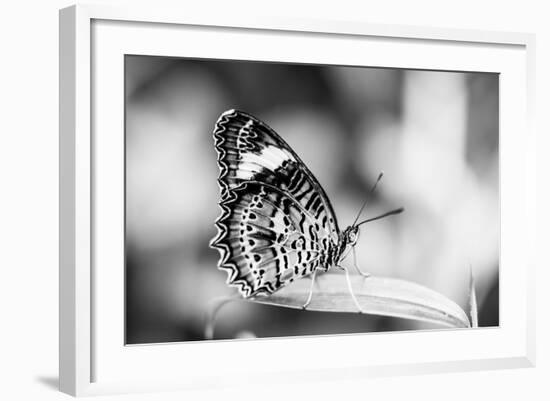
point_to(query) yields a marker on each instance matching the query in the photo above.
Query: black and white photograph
(306, 200)
(270, 199)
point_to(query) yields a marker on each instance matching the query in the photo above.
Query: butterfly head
(351, 235)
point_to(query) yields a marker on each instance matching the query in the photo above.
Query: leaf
(376, 295)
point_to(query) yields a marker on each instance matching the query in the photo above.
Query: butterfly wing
(276, 222)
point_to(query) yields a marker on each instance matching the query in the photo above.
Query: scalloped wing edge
(227, 195)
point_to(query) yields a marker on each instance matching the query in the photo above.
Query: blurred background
(434, 134)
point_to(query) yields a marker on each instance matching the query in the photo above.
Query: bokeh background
(434, 134)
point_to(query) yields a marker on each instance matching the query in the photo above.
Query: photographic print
(268, 199)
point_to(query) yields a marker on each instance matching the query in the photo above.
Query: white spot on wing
(276, 155)
(271, 157)
(243, 174)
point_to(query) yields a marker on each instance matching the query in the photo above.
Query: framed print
(238, 190)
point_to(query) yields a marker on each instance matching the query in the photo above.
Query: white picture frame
(93, 357)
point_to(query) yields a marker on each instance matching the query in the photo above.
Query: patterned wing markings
(265, 240)
(277, 223)
(249, 150)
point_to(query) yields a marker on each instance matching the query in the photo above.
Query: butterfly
(276, 223)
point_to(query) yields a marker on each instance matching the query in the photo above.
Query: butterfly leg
(304, 306)
(351, 289)
(364, 274)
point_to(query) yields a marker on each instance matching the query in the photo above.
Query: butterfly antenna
(392, 212)
(368, 197)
